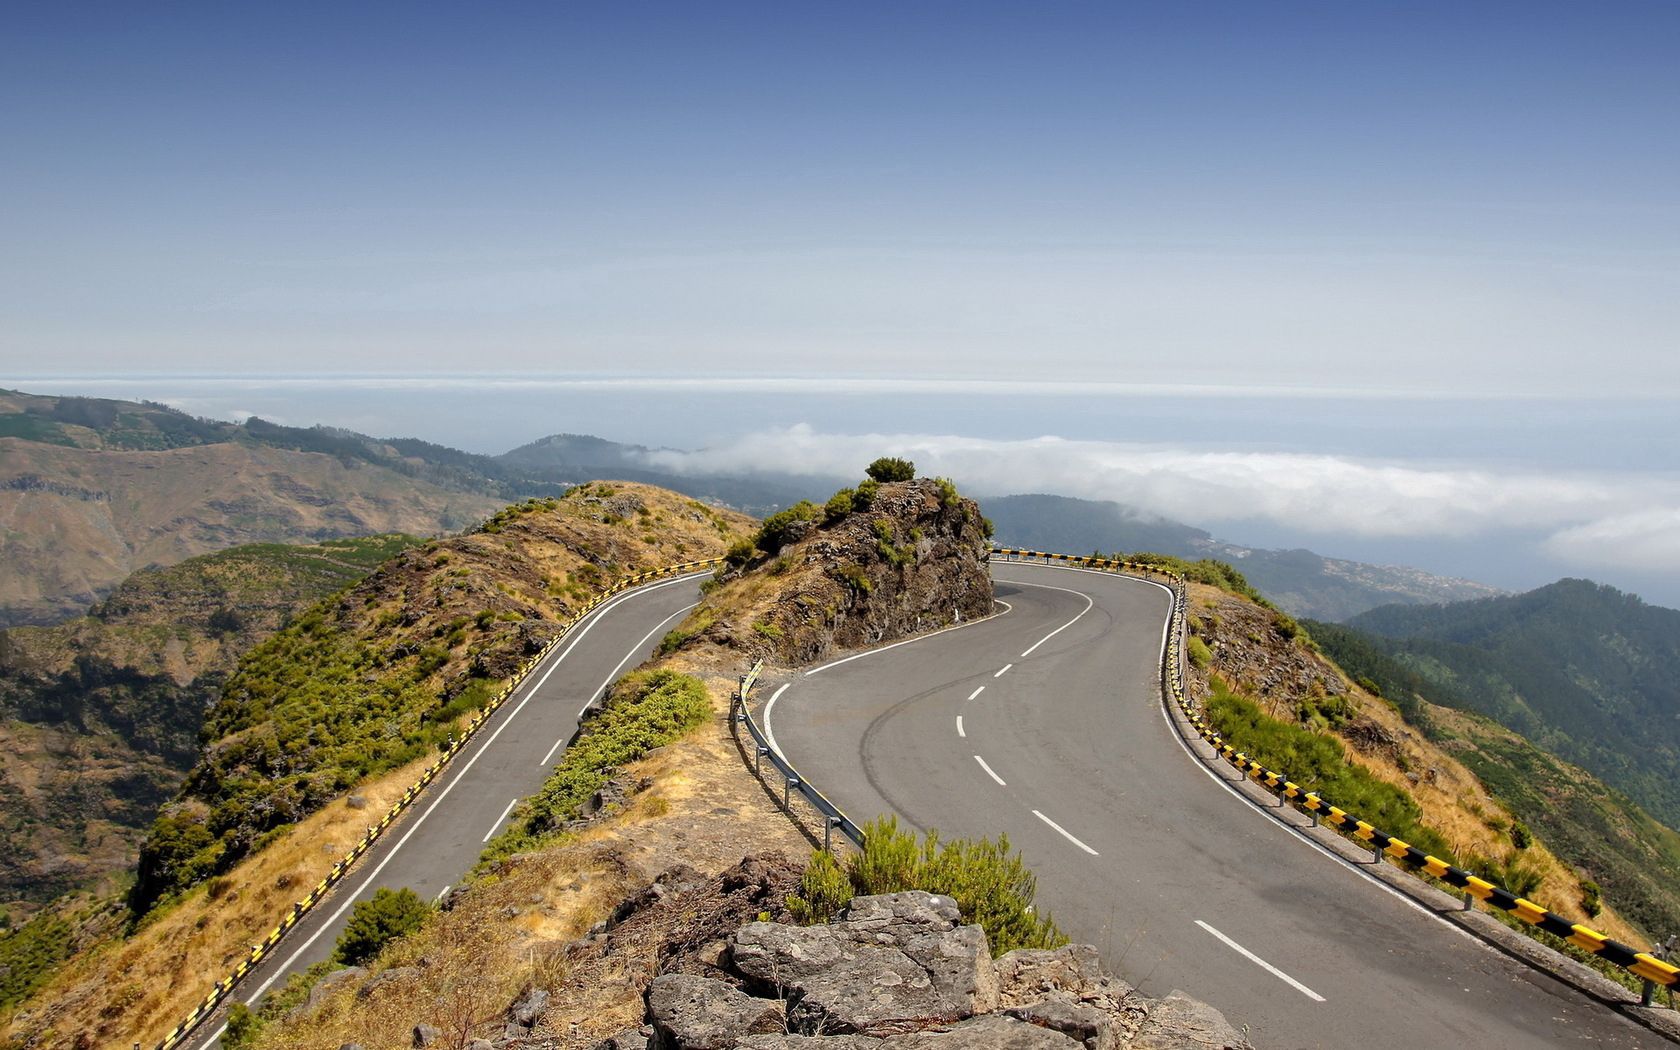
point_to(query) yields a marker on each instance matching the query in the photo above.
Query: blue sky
(1338, 239)
(1355, 195)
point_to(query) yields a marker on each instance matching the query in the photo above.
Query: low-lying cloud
(1627, 521)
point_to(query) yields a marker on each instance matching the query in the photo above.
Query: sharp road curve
(441, 838)
(1046, 723)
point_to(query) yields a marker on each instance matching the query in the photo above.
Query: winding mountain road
(1046, 724)
(441, 837)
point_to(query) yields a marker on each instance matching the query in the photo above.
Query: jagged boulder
(698, 1013)
(1179, 1022)
(893, 962)
(991, 1032)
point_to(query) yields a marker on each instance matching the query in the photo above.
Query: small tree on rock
(891, 468)
(375, 923)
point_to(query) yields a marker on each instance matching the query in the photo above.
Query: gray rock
(481, 1044)
(350, 1046)
(910, 908)
(323, 988)
(356, 802)
(1027, 975)
(1096, 1029)
(808, 1042)
(395, 975)
(1179, 1022)
(528, 1009)
(992, 1032)
(895, 961)
(629, 1039)
(426, 1035)
(698, 1013)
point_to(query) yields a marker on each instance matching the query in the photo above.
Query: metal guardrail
(340, 869)
(833, 817)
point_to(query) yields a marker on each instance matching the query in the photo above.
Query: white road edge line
(496, 826)
(960, 731)
(1263, 964)
(350, 898)
(770, 734)
(989, 771)
(631, 655)
(1090, 603)
(440, 894)
(1007, 608)
(977, 692)
(1296, 834)
(1002, 670)
(1066, 834)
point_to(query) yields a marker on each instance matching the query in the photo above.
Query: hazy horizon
(1515, 492)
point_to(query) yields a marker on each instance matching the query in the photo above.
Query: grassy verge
(642, 711)
(1318, 762)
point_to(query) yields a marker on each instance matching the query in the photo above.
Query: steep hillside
(1586, 672)
(1268, 689)
(877, 563)
(99, 717)
(1299, 581)
(92, 490)
(382, 675)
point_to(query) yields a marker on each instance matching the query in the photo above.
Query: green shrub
(243, 1027)
(991, 885)
(854, 577)
(824, 889)
(838, 506)
(740, 552)
(1199, 653)
(778, 529)
(891, 468)
(1521, 837)
(863, 497)
(377, 922)
(1592, 901)
(30, 953)
(948, 494)
(768, 629)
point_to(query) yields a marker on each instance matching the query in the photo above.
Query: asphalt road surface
(440, 838)
(1046, 723)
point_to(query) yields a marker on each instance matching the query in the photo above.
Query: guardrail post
(1469, 901)
(1376, 854)
(787, 792)
(829, 824)
(1649, 991)
(758, 764)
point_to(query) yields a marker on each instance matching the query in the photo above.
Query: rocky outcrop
(902, 971)
(912, 560)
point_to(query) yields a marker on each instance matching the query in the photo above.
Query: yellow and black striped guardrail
(1641, 964)
(339, 870)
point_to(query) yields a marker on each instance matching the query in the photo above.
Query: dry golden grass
(136, 989)
(512, 928)
(1454, 801)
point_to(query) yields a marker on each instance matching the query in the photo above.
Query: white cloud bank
(1628, 521)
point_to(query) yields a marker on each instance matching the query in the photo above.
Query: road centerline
(1066, 834)
(977, 692)
(1001, 671)
(960, 731)
(990, 771)
(1263, 964)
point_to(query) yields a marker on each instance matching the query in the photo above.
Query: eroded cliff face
(913, 560)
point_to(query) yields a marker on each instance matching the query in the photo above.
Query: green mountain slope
(1586, 672)
(1599, 830)
(99, 717)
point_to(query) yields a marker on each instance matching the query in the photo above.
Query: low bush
(891, 468)
(991, 885)
(838, 506)
(376, 922)
(780, 528)
(863, 497)
(1199, 653)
